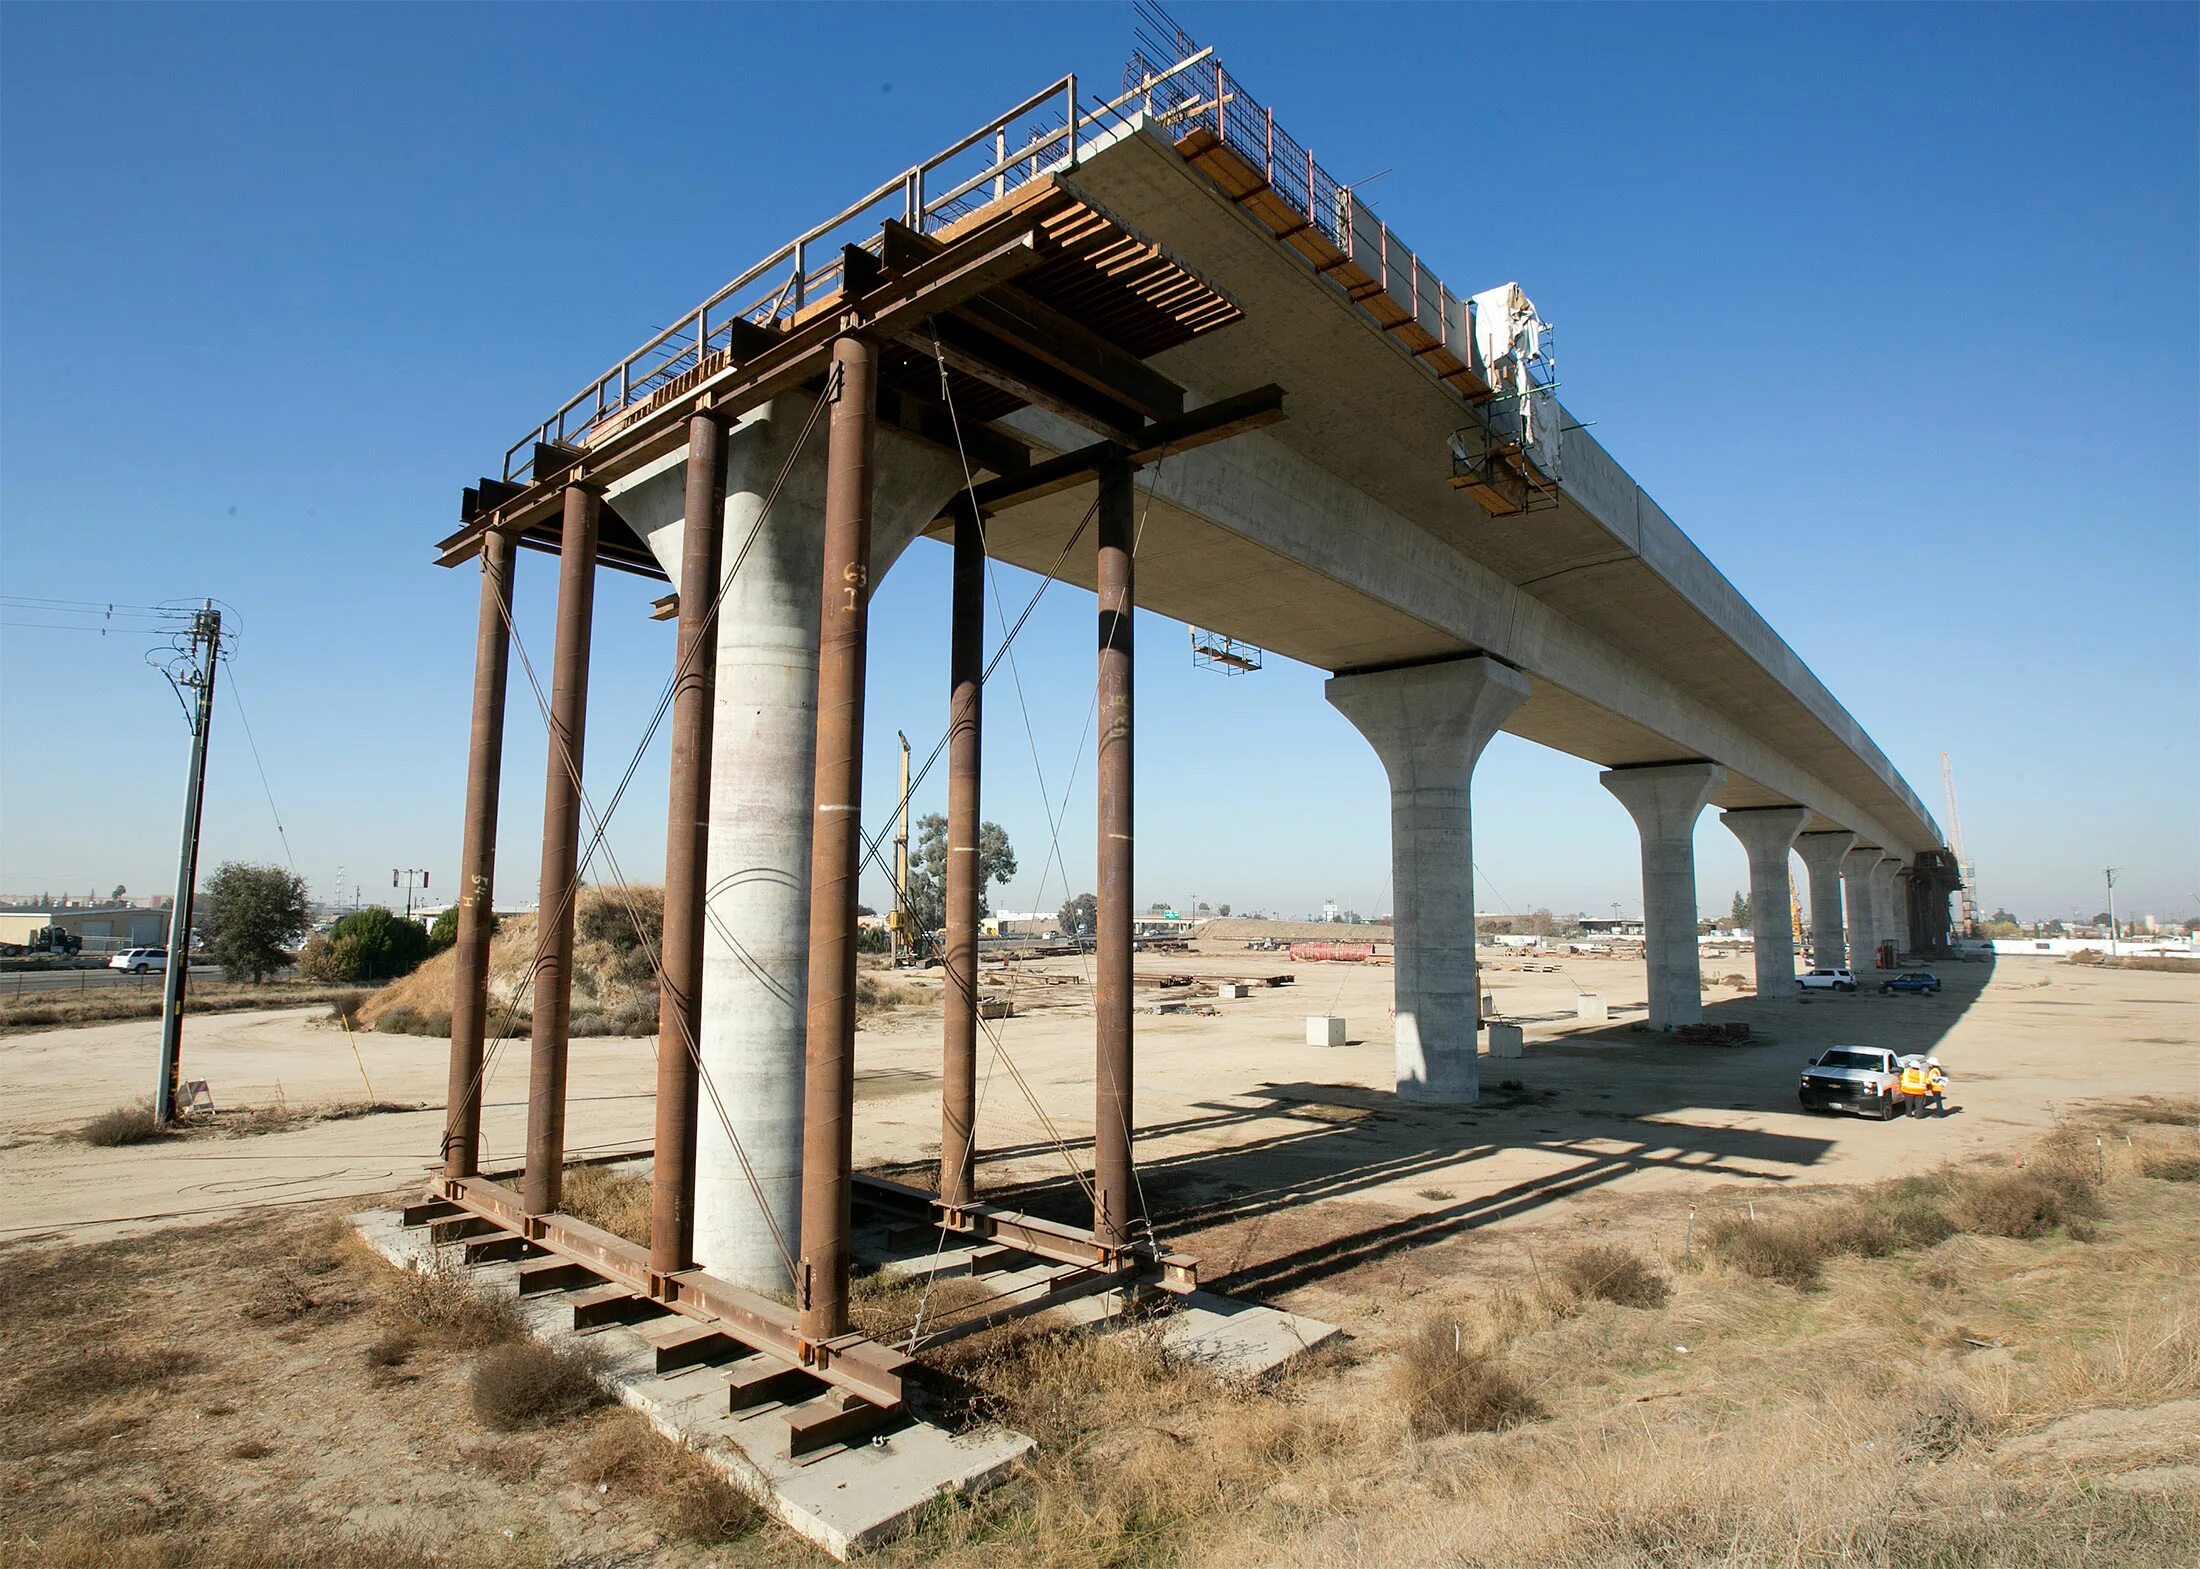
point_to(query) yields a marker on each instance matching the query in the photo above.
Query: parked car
(1852, 1078)
(1827, 981)
(140, 960)
(1910, 981)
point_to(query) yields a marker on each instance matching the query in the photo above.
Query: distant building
(101, 928)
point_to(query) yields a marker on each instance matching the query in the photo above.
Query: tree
(1222, 909)
(1079, 916)
(2101, 919)
(252, 916)
(928, 871)
(116, 896)
(1739, 915)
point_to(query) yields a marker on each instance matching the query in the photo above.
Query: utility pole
(197, 659)
(2110, 874)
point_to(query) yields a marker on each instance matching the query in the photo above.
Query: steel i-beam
(561, 834)
(965, 871)
(478, 860)
(1112, 1192)
(828, 1097)
(680, 995)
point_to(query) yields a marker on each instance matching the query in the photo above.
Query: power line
(236, 696)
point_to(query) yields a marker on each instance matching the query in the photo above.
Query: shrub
(444, 933)
(1446, 1386)
(528, 1384)
(123, 1125)
(366, 945)
(1612, 1274)
(616, 1201)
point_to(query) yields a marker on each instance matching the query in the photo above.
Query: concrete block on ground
(995, 1008)
(1234, 990)
(1489, 1006)
(1229, 1338)
(1591, 1008)
(1324, 1029)
(1507, 1040)
(846, 1499)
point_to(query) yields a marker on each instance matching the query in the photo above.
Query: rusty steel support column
(561, 839)
(828, 1094)
(478, 861)
(1112, 1117)
(965, 872)
(680, 993)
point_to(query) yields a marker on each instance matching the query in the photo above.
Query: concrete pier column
(1665, 801)
(1856, 888)
(762, 759)
(1821, 853)
(1429, 724)
(1885, 926)
(1768, 834)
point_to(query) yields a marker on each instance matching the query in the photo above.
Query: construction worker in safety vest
(1936, 1087)
(1912, 1086)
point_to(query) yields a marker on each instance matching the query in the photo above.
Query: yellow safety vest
(1935, 1080)
(1913, 1080)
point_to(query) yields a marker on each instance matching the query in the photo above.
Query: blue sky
(1892, 309)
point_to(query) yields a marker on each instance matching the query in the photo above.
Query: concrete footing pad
(845, 1498)
(1231, 1339)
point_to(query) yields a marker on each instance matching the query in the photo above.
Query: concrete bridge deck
(1336, 539)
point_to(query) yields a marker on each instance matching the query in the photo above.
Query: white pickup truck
(1852, 1078)
(1827, 981)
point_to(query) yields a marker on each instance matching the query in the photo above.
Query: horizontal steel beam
(1050, 1239)
(847, 1362)
(1203, 426)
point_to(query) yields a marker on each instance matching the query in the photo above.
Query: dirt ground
(224, 1372)
(1243, 1127)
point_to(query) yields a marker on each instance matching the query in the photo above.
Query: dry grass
(528, 1384)
(1794, 1245)
(618, 1201)
(1444, 1383)
(876, 996)
(614, 979)
(678, 1489)
(108, 1004)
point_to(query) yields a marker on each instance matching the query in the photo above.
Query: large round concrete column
(1665, 801)
(763, 748)
(1768, 834)
(1428, 724)
(1885, 928)
(1856, 887)
(1821, 855)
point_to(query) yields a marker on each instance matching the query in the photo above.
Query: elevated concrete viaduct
(1074, 311)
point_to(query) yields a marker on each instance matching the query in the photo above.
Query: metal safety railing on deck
(1039, 135)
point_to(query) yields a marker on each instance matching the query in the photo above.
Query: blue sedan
(1910, 981)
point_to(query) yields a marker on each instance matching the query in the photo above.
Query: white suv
(1827, 981)
(139, 960)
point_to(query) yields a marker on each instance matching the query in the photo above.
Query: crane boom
(1966, 894)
